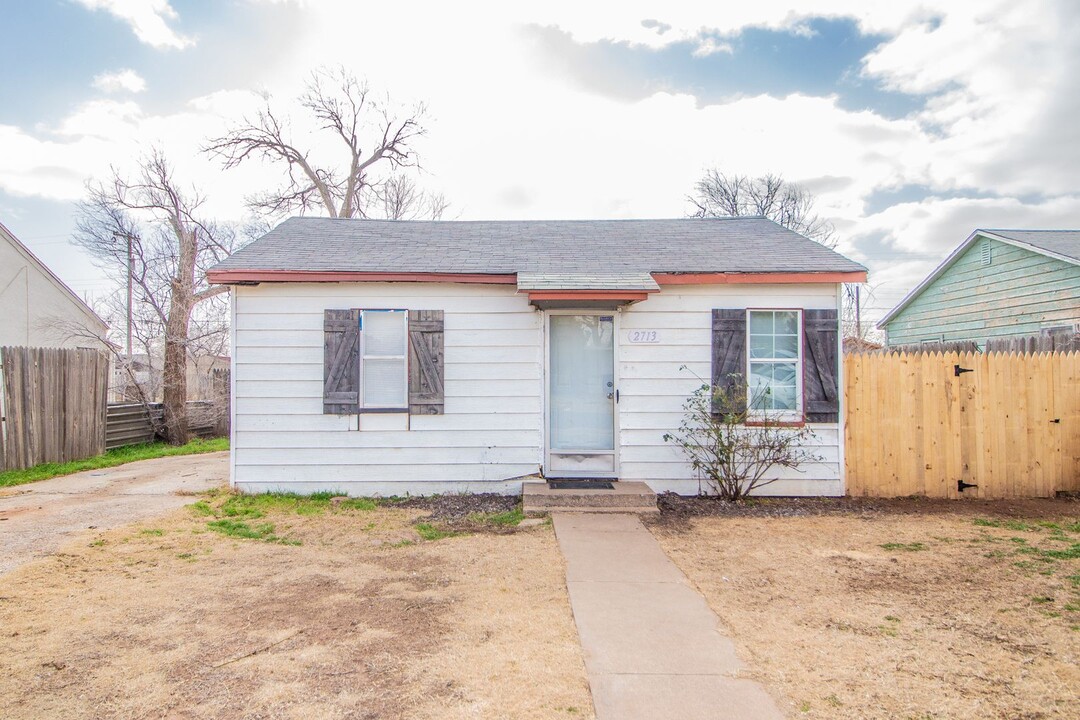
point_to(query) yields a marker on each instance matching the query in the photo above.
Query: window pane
(761, 323)
(761, 346)
(384, 333)
(787, 323)
(384, 383)
(782, 397)
(784, 373)
(786, 346)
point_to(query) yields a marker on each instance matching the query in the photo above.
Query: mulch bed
(458, 507)
(676, 507)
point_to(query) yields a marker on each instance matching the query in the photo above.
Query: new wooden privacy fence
(53, 405)
(1005, 424)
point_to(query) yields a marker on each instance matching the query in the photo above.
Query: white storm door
(581, 395)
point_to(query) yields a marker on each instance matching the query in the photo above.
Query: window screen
(384, 345)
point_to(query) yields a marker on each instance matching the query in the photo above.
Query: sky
(913, 123)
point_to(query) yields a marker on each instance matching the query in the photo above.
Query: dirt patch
(898, 610)
(677, 507)
(361, 619)
(458, 507)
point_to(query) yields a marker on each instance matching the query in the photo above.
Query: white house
(36, 308)
(392, 357)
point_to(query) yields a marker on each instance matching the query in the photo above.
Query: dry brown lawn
(362, 619)
(913, 611)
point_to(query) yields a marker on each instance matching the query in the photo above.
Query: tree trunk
(174, 393)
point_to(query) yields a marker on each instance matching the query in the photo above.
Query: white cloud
(126, 80)
(149, 20)
(510, 138)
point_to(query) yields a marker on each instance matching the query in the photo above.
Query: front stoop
(624, 497)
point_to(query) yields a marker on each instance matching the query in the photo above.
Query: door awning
(586, 290)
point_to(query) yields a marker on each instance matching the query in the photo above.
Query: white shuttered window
(384, 366)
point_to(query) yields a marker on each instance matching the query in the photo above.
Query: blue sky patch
(824, 61)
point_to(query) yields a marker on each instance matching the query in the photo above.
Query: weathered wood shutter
(821, 366)
(426, 366)
(728, 357)
(341, 362)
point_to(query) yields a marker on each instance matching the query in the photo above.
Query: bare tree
(374, 133)
(171, 249)
(401, 199)
(786, 203)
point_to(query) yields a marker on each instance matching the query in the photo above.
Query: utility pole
(131, 261)
(859, 314)
(130, 265)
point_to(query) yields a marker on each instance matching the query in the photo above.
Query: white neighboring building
(383, 357)
(35, 305)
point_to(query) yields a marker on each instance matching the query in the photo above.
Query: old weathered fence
(53, 405)
(134, 423)
(962, 424)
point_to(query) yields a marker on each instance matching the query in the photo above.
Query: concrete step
(624, 497)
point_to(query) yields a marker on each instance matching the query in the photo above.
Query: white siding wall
(492, 430)
(653, 389)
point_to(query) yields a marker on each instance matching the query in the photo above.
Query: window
(774, 360)
(384, 352)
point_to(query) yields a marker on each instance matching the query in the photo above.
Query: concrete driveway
(37, 519)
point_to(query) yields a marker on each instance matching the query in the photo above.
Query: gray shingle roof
(587, 281)
(1059, 242)
(745, 244)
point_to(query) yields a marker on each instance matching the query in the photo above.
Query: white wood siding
(492, 431)
(653, 388)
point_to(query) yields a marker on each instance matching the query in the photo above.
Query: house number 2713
(644, 336)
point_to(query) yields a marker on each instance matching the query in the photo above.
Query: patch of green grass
(112, 458)
(1042, 599)
(833, 700)
(984, 522)
(1018, 540)
(1074, 579)
(201, 508)
(1019, 525)
(1048, 525)
(906, 547)
(892, 618)
(1072, 553)
(509, 518)
(804, 706)
(154, 532)
(1073, 607)
(1073, 527)
(256, 506)
(430, 532)
(240, 529)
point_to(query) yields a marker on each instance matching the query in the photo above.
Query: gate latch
(957, 370)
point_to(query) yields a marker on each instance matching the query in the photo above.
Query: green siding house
(997, 284)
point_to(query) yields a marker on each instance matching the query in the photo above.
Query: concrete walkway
(38, 518)
(652, 648)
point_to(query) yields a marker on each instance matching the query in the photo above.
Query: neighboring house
(383, 357)
(997, 284)
(36, 308)
(146, 373)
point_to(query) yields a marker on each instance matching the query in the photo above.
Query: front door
(581, 395)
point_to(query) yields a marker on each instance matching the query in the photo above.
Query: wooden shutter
(341, 362)
(728, 356)
(821, 366)
(426, 366)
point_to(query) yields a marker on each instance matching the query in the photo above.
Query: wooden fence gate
(53, 405)
(1002, 424)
